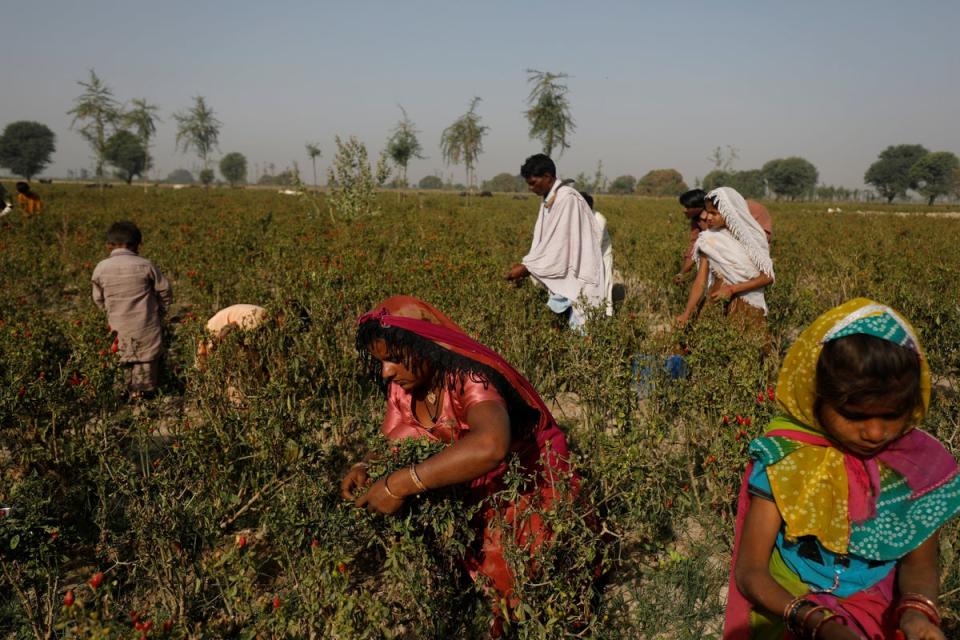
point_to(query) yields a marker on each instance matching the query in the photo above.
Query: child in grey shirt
(135, 295)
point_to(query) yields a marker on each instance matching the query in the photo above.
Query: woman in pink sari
(443, 385)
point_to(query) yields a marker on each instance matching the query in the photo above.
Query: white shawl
(739, 252)
(606, 247)
(729, 260)
(565, 254)
(744, 227)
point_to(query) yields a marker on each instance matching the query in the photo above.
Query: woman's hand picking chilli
(723, 293)
(916, 626)
(377, 499)
(355, 479)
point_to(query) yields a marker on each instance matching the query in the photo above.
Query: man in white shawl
(732, 257)
(606, 247)
(565, 254)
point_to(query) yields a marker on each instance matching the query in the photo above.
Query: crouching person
(247, 367)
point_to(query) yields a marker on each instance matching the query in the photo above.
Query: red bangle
(931, 613)
(923, 600)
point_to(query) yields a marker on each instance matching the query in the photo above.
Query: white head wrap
(736, 215)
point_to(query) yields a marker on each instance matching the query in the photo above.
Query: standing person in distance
(28, 201)
(565, 253)
(4, 203)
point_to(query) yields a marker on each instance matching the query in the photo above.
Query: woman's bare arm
(696, 291)
(479, 451)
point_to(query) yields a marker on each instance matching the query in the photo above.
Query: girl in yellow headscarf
(843, 499)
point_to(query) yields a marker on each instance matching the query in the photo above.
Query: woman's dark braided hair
(448, 368)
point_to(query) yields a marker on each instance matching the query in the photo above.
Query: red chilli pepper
(96, 580)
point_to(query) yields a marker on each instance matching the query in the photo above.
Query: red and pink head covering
(418, 317)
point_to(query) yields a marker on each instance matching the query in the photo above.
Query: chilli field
(188, 516)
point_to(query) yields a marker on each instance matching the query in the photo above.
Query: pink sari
(542, 450)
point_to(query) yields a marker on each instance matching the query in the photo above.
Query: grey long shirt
(135, 296)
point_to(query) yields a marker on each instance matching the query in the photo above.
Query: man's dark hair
(693, 199)
(538, 165)
(23, 187)
(589, 198)
(124, 233)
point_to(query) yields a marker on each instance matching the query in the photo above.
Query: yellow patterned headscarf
(812, 484)
(796, 386)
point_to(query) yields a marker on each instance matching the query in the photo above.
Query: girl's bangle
(931, 613)
(416, 478)
(791, 612)
(920, 598)
(828, 613)
(830, 617)
(386, 487)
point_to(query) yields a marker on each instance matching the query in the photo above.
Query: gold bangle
(416, 478)
(806, 618)
(830, 617)
(386, 488)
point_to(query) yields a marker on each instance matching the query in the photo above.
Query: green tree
(549, 112)
(26, 147)
(431, 182)
(233, 168)
(180, 176)
(716, 178)
(125, 152)
(934, 174)
(890, 174)
(622, 185)
(463, 141)
(97, 111)
(662, 183)
(750, 184)
(791, 178)
(505, 182)
(403, 145)
(284, 178)
(199, 129)
(313, 150)
(142, 118)
(596, 184)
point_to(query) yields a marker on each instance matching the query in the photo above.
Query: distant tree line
(119, 136)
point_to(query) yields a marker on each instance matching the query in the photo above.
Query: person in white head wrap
(732, 257)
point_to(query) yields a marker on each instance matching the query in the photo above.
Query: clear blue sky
(653, 84)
